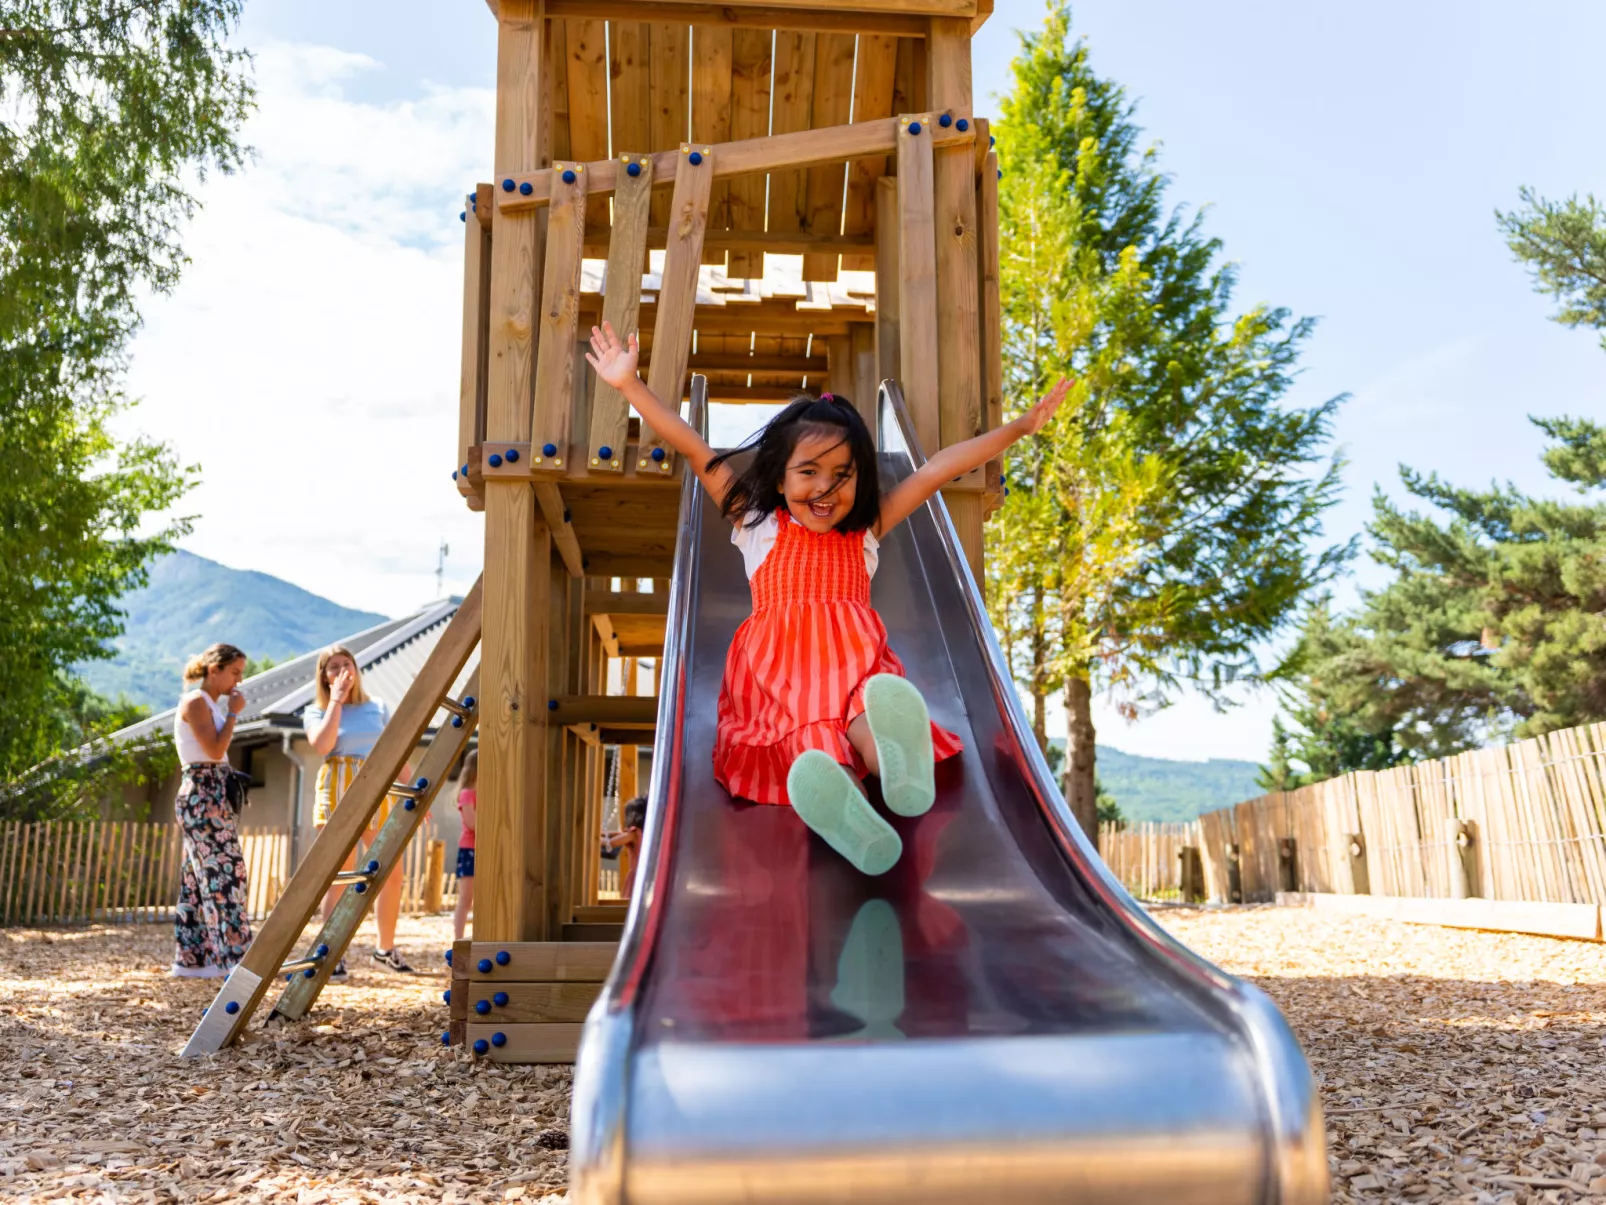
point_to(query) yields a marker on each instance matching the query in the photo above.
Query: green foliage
(1162, 527)
(107, 112)
(1109, 809)
(1563, 243)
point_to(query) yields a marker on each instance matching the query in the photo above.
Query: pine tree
(1162, 527)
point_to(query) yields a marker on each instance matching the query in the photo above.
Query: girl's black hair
(756, 492)
(635, 812)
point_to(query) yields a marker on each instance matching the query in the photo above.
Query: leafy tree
(1161, 529)
(1109, 810)
(1563, 243)
(108, 114)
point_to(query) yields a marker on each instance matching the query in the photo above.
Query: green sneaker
(901, 726)
(827, 799)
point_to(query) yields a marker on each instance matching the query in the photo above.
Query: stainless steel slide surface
(993, 1020)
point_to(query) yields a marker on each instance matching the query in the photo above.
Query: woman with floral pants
(212, 925)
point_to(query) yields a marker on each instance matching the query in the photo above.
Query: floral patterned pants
(212, 924)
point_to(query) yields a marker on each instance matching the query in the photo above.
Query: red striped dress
(795, 674)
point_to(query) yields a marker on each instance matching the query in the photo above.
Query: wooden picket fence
(1145, 856)
(118, 872)
(1525, 821)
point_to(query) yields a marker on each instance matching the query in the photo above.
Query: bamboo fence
(66, 872)
(1145, 856)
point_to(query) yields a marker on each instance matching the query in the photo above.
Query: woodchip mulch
(1454, 1066)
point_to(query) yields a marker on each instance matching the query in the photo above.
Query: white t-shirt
(189, 745)
(756, 542)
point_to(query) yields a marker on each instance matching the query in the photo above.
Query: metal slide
(993, 1020)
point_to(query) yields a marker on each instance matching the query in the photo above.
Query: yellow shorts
(334, 780)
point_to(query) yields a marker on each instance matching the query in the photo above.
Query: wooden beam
(789, 118)
(888, 285)
(562, 657)
(534, 1002)
(706, 362)
(586, 66)
(750, 119)
(577, 962)
(677, 295)
(711, 84)
(629, 62)
(476, 326)
(524, 1043)
(745, 17)
(621, 305)
(865, 379)
(872, 101)
(668, 92)
(560, 316)
(599, 240)
(959, 385)
(604, 627)
(745, 395)
(550, 499)
(919, 337)
(604, 709)
(624, 564)
(611, 602)
(992, 333)
(831, 105)
(779, 152)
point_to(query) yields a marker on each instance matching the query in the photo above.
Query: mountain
(192, 602)
(1156, 788)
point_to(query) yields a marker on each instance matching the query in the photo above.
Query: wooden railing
(66, 872)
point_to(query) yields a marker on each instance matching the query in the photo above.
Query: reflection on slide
(993, 1019)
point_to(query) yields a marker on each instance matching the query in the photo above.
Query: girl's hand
(1035, 419)
(236, 702)
(615, 362)
(340, 687)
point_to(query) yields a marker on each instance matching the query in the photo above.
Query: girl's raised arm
(916, 490)
(615, 363)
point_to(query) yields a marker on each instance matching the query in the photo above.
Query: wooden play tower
(780, 198)
(725, 136)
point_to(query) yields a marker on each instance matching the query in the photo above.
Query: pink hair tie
(828, 397)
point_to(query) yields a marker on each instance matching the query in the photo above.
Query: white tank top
(189, 748)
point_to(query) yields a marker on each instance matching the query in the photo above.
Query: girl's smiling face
(821, 480)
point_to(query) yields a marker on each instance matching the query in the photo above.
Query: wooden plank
(1577, 921)
(790, 110)
(832, 105)
(559, 752)
(919, 339)
(526, 1044)
(750, 120)
(669, 113)
(560, 314)
(677, 294)
(989, 297)
(621, 304)
(580, 962)
(540, 1003)
(779, 152)
(909, 77)
(576, 932)
(746, 17)
(601, 914)
(796, 242)
(959, 384)
(611, 602)
(586, 80)
(712, 80)
(629, 46)
(550, 499)
(8, 850)
(604, 709)
(888, 284)
(872, 100)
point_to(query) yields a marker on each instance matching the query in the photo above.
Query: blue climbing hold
(500, 999)
(463, 217)
(323, 951)
(657, 453)
(991, 140)
(964, 124)
(567, 514)
(507, 185)
(604, 453)
(568, 175)
(696, 158)
(446, 1038)
(1000, 173)
(373, 866)
(309, 973)
(232, 1007)
(633, 170)
(447, 995)
(362, 888)
(914, 127)
(464, 470)
(457, 721)
(204, 1011)
(945, 120)
(485, 966)
(482, 1007)
(549, 449)
(494, 460)
(551, 704)
(420, 783)
(448, 958)
(409, 804)
(454, 474)
(511, 455)
(468, 700)
(499, 1039)
(503, 958)
(481, 1046)
(526, 189)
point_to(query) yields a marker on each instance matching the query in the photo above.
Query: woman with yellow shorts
(343, 725)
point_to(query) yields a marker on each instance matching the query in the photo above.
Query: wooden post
(918, 335)
(1360, 879)
(621, 303)
(1461, 855)
(476, 299)
(888, 284)
(959, 386)
(435, 878)
(560, 316)
(1287, 864)
(1235, 874)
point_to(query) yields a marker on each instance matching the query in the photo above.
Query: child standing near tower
(813, 698)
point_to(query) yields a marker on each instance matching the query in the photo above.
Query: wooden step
(535, 994)
(601, 914)
(593, 932)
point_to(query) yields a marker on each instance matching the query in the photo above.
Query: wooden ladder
(270, 953)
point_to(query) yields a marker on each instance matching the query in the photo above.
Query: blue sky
(1352, 159)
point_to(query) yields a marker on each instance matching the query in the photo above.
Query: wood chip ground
(1455, 1066)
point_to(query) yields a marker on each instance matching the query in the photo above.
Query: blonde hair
(219, 656)
(469, 776)
(321, 683)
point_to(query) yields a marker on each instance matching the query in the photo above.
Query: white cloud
(309, 359)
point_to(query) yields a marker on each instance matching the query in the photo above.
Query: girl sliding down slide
(813, 698)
